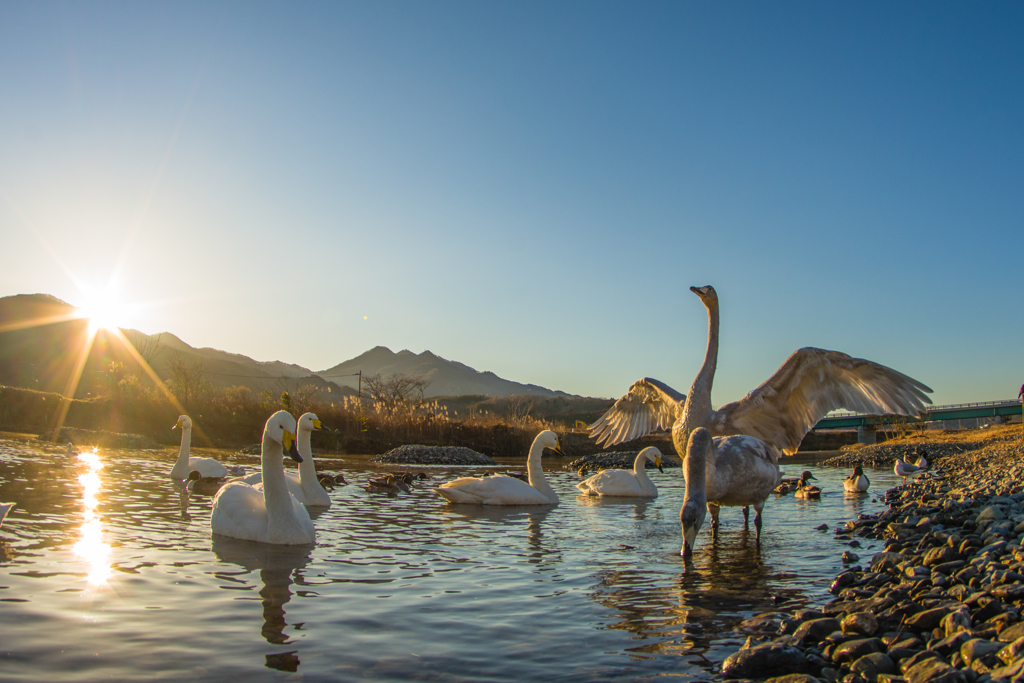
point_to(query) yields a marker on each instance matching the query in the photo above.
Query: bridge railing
(930, 409)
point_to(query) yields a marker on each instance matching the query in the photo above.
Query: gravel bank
(942, 603)
(886, 453)
(618, 460)
(433, 455)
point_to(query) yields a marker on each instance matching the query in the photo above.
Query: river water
(107, 571)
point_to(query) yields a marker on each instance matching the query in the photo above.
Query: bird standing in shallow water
(857, 482)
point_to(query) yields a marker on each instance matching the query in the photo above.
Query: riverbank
(943, 602)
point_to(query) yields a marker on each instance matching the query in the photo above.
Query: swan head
(184, 422)
(654, 455)
(548, 439)
(707, 294)
(692, 517)
(281, 429)
(309, 422)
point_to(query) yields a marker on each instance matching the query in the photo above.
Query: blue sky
(530, 188)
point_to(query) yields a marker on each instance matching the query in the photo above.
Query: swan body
(905, 469)
(208, 468)
(811, 383)
(730, 470)
(269, 514)
(500, 489)
(304, 485)
(857, 482)
(623, 483)
(4, 509)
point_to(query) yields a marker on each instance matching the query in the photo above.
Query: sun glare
(103, 310)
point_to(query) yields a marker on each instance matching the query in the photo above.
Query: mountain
(41, 341)
(446, 377)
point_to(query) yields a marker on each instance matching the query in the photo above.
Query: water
(115, 575)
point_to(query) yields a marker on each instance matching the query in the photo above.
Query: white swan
(500, 489)
(857, 482)
(270, 515)
(811, 383)
(4, 509)
(905, 469)
(207, 467)
(727, 470)
(623, 483)
(304, 485)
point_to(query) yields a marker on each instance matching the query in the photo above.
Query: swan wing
(494, 490)
(208, 468)
(647, 406)
(613, 483)
(810, 384)
(239, 511)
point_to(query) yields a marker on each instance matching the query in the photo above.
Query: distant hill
(446, 377)
(43, 357)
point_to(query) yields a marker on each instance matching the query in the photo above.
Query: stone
(991, 513)
(1012, 652)
(940, 555)
(853, 650)
(869, 666)
(911, 662)
(815, 630)
(958, 620)
(1012, 633)
(934, 671)
(1009, 673)
(765, 660)
(928, 619)
(978, 648)
(951, 643)
(793, 678)
(864, 623)
(873, 605)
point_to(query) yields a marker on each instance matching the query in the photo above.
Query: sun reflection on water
(91, 547)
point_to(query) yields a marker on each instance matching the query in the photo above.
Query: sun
(103, 309)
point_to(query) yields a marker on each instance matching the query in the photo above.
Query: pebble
(615, 460)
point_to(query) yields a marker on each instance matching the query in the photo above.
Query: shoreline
(943, 602)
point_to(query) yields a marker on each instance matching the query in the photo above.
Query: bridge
(867, 425)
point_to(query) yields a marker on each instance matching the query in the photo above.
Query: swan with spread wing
(810, 384)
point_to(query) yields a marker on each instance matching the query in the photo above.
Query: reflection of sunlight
(103, 309)
(91, 546)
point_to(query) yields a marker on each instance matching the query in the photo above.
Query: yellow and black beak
(288, 443)
(657, 463)
(177, 425)
(317, 425)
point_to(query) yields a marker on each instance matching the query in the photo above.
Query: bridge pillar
(867, 434)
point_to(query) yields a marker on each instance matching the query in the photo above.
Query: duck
(201, 484)
(384, 485)
(857, 482)
(806, 490)
(789, 484)
(727, 470)
(922, 461)
(327, 483)
(501, 489)
(623, 483)
(72, 451)
(269, 514)
(905, 469)
(207, 467)
(4, 509)
(340, 479)
(305, 484)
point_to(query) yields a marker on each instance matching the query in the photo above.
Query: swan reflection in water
(276, 564)
(90, 546)
(510, 517)
(639, 505)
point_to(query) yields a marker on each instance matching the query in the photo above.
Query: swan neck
(180, 469)
(307, 468)
(706, 377)
(640, 469)
(695, 471)
(275, 489)
(535, 470)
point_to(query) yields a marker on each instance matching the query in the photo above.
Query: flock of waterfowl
(730, 455)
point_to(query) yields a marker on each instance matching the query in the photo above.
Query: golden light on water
(91, 546)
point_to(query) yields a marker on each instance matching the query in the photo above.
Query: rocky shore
(942, 603)
(433, 455)
(616, 460)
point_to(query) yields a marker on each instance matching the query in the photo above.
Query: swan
(4, 509)
(305, 484)
(725, 470)
(499, 489)
(623, 483)
(811, 383)
(905, 469)
(270, 515)
(857, 482)
(208, 468)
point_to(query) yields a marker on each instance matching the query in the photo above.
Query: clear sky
(530, 188)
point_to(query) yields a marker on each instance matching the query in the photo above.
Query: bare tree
(395, 392)
(187, 378)
(148, 346)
